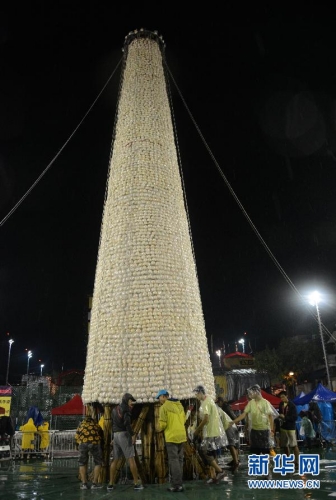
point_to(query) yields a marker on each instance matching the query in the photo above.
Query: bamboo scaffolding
(137, 426)
(147, 440)
(104, 475)
(193, 463)
(160, 449)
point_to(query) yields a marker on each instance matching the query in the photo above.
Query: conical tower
(147, 328)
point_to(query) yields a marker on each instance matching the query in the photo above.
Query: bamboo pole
(146, 450)
(160, 449)
(194, 462)
(137, 426)
(105, 471)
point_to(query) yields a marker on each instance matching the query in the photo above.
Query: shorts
(287, 438)
(209, 447)
(232, 434)
(260, 442)
(122, 445)
(95, 450)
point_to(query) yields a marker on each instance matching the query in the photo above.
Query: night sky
(261, 87)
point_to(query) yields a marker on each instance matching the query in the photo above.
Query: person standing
(43, 431)
(124, 440)
(315, 416)
(212, 431)
(29, 431)
(288, 415)
(307, 427)
(172, 421)
(89, 437)
(260, 417)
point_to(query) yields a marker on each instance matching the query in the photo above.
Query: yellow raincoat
(43, 431)
(28, 435)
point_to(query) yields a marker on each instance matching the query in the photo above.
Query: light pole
(314, 300)
(41, 369)
(10, 342)
(242, 341)
(218, 352)
(29, 355)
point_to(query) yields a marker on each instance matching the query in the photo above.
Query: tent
(319, 394)
(303, 407)
(73, 407)
(237, 360)
(242, 402)
(69, 415)
(237, 354)
(323, 397)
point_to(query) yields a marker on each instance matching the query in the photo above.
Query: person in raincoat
(306, 428)
(43, 431)
(212, 432)
(232, 434)
(28, 435)
(172, 421)
(260, 415)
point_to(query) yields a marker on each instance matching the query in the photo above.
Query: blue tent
(303, 407)
(323, 397)
(319, 394)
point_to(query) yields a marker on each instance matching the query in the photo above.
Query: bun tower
(147, 327)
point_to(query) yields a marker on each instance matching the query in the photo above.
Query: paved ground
(40, 480)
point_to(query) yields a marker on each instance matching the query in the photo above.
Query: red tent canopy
(238, 354)
(242, 402)
(73, 407)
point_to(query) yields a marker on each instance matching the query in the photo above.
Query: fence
(45, 444)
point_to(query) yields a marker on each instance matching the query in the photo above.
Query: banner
(5, 400)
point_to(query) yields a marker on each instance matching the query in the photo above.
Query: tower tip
(144, 33)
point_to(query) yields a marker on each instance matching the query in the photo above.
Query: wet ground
(36, 479)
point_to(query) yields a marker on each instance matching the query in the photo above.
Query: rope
(240, 205)
(21, 200)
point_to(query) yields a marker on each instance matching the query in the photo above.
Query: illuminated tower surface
(147, 328)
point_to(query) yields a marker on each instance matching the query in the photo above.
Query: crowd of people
(209, 427)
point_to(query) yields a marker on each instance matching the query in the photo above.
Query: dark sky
(261, 87)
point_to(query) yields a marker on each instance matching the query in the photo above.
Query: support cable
(240, 205)
(21, 200)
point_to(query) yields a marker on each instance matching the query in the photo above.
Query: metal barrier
(242, 436)
(46, 444)
(27, 444)
(64, 444)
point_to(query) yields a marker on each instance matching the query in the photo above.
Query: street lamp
(29, 354)
(41, 369)
(315, 298)
(242, 341)
(10, 342)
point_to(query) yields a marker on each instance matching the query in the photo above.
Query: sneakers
(138, 487)
(96, 486)
(110, 487)
(176, 489)
(84, 486)
(220, 475)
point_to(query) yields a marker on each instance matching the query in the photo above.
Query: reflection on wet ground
(36, 479)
